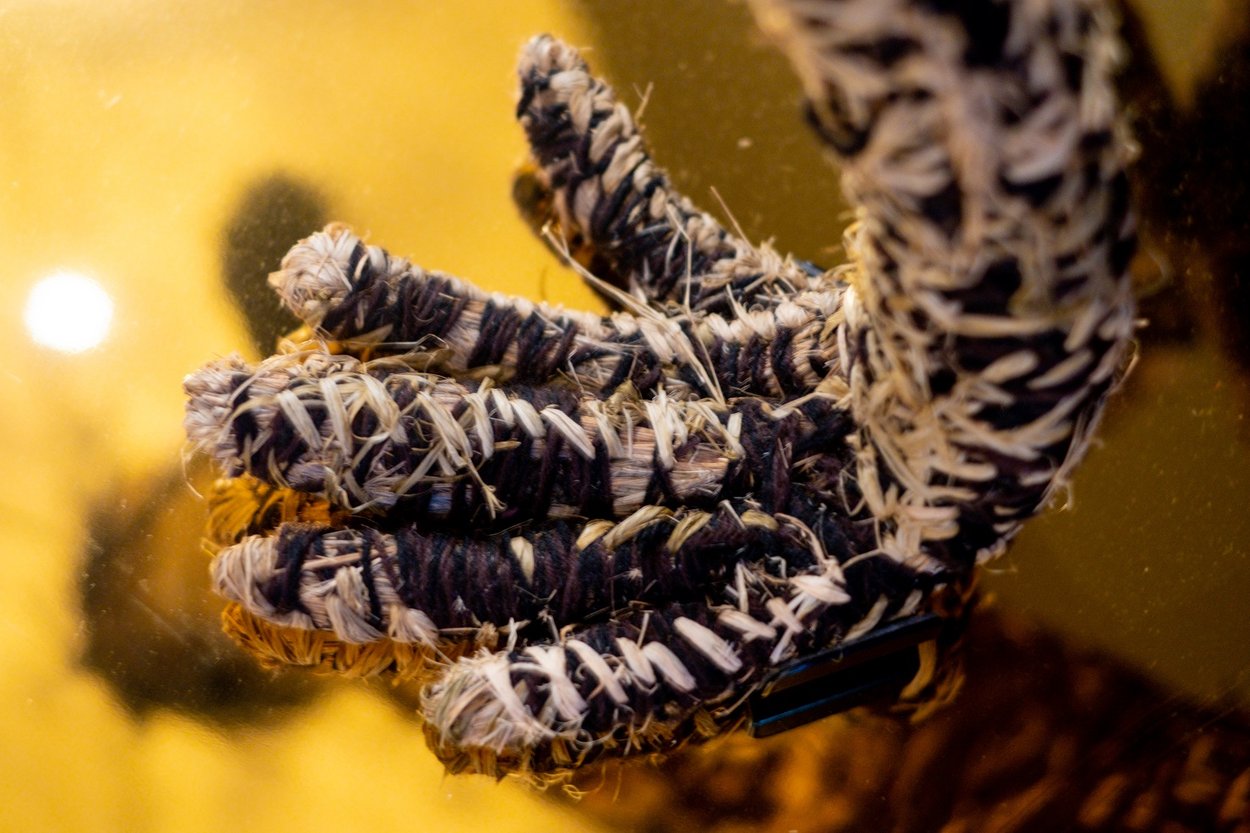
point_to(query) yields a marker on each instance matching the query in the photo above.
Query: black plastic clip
(878, 665)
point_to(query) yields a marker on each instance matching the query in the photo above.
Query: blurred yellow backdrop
(128, 131)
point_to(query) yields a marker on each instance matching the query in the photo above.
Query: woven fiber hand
(594, 535)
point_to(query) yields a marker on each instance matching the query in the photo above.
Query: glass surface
(155, 161)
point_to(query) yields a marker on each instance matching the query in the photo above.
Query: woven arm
(990, 310)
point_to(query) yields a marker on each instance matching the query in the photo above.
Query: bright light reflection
(68, 312)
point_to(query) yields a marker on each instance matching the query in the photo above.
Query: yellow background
(129, 130)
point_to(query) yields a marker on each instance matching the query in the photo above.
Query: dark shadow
(151, 628)
(150, 624)
(271, 215)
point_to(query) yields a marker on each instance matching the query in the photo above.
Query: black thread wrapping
(629, 244)
(528, 483)
(462, 581)
(800, 465)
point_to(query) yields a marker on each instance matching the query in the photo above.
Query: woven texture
(591, 535)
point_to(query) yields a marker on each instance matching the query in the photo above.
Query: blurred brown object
(151, 628)
(1215, 186)
(272, 211)
(1045, 736)
(1192, 186)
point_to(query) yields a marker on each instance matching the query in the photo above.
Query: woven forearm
(991, 308)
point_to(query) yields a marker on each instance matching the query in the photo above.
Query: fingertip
(208, 392)
(477, 721)
(316, 272)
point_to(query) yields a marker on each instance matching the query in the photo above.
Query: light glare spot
(69, 312)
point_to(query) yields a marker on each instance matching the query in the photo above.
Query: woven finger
(611, 199)
(557, 573)
(323, 652)
(368, 436)
(241, 507)
(376, 436)
(364, 296)
(415, 584)
(650, 679)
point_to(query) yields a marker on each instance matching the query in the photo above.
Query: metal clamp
(876, 666)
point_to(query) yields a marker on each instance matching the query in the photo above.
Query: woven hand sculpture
(594, 535)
